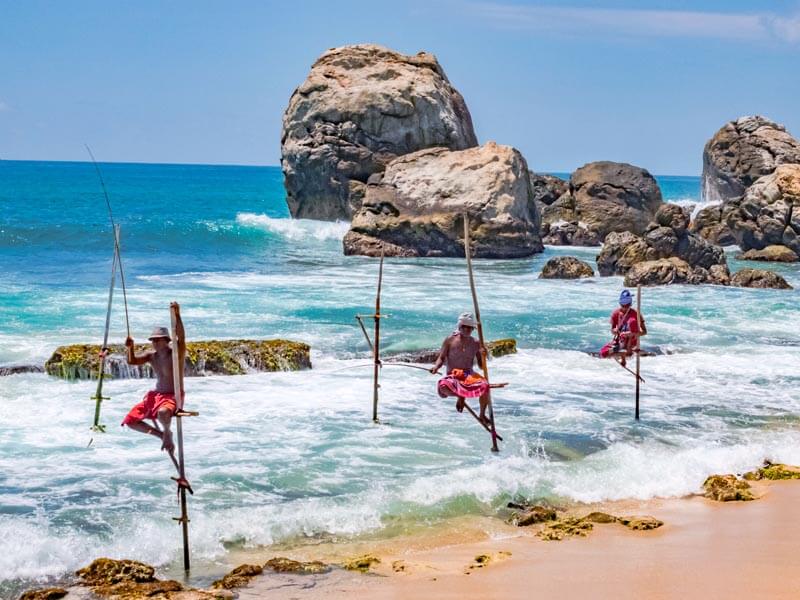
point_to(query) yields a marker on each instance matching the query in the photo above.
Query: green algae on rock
(498, 348)
(281, 564)
(727, 488)
(361, 563)
(215, 357)
(44, 594)
(600, 517)
(774, 472)
(564, 528)
(643, 523)
(238, 577)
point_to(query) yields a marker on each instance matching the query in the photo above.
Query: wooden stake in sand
(376, 346)
(638, 343)
(183, 484)
(468, 253)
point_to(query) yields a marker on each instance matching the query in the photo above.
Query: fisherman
(459, 352)
(625, 328)
(159, 404)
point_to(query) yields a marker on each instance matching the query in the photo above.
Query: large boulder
(667, 236)
(710, 223)
(614, 197)
(665, 271)
(417, 208)
(768, 254)
(759, 278)
(769, 212)
(743, 151)
(566, 267)
(547, 189)
(359, 108)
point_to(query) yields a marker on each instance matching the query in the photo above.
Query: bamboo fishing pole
(468, 253)
(638, 342)
(177, 374)
(376, 347)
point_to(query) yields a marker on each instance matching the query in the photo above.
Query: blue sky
(565, 82)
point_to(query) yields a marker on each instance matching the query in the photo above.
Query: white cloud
(611, 22)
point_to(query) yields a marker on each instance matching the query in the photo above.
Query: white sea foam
(295, 229)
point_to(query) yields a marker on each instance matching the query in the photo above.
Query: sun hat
(159, 332)
(625, 297)
(467, 319)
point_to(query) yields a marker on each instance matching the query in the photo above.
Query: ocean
(293, 458)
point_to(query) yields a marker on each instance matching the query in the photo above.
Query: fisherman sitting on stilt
(159, 404)
(459, 352)
(625, 328)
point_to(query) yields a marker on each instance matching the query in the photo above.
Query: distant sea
(292, 458)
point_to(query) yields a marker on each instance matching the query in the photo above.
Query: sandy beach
(704, 550)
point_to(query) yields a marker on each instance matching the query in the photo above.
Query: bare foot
(166, 441)
(460, 404)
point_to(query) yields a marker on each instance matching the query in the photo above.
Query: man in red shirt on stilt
(625, 327)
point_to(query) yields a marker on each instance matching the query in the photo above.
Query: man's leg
(460, 404)
(484, 401)
(164, 416)
(144, 428)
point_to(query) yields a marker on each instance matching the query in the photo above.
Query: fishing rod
(116, 237)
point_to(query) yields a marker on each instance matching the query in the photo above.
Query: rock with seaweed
(727, 488)
(361, 563)
(773, 472)
(496, 349)
(281, 564)
(238, 577)
(52, 593)
(214, 357)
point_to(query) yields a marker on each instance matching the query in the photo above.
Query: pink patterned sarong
(465, 384)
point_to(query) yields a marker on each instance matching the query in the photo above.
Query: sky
(194, 81)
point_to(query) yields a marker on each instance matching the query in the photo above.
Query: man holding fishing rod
(625, 329)
(158, 404)
(459, 352)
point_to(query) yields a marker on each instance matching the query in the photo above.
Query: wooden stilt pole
(376, 347)
(468, 254)
(177, 370)
(638, 343)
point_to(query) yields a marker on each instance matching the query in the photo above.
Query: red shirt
(626, 321)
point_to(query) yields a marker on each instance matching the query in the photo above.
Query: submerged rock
(359, 108)
(533, 515)
(773, 253)
(418, 207)
(44, 594)
(361, 563)
(238, 577)
(224, 357)
(727, 488)
(566, 267)
(18, 369)
(281, 564)
(759, 278)
(774, 472)
(743, 151)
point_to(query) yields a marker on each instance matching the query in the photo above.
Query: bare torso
(459, 352)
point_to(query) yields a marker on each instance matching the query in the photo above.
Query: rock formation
(416, 208)
(727, 488)
(359, 108)
(710, 223)
(665, 238)
(226, 357)
(769, 212)
(566, 267)
(743, 151)
(768, 254)
(603, 197)
(759, 278)
(665, 271)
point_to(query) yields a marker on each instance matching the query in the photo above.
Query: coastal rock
(564, 528)
(600, 517)
(710, 223)
(773, 472)
(743, 151)
(759, 278)
(418, 207)
(568, 233)
(643, 523)
(769, 213)
(614, 197)
(533, 515)
(769, 254)
(360, 107)
(727, 488)
(216, 357)
(547, 189)
(496, 349)
(53, 593)
(281, 564)
(663, 271)
(361, 563)
(621, 251)
(566, 267)
(18, 369)
(130, 580)
(238, 577)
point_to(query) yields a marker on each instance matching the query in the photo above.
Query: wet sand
(705, 550)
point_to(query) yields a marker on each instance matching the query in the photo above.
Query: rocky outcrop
(667, 237)
(53, 593)
(759, 278)
(666, 271)
(359, 108)
(281, 564)
(710, 223)
(547, 189)
(727, 488)
(496, 349)
(225, 357)
(769, 212)
(18, 369)
(768, 254)
(361, 563)
(238, 577)
(566, 267)
(743, 151)
(417, 208)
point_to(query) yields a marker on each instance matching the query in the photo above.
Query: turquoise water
(287, 457)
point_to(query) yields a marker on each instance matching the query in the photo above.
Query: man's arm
(442, 355)
(133, 359)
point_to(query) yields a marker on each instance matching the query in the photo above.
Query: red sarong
(464, 384)
(149, 406)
